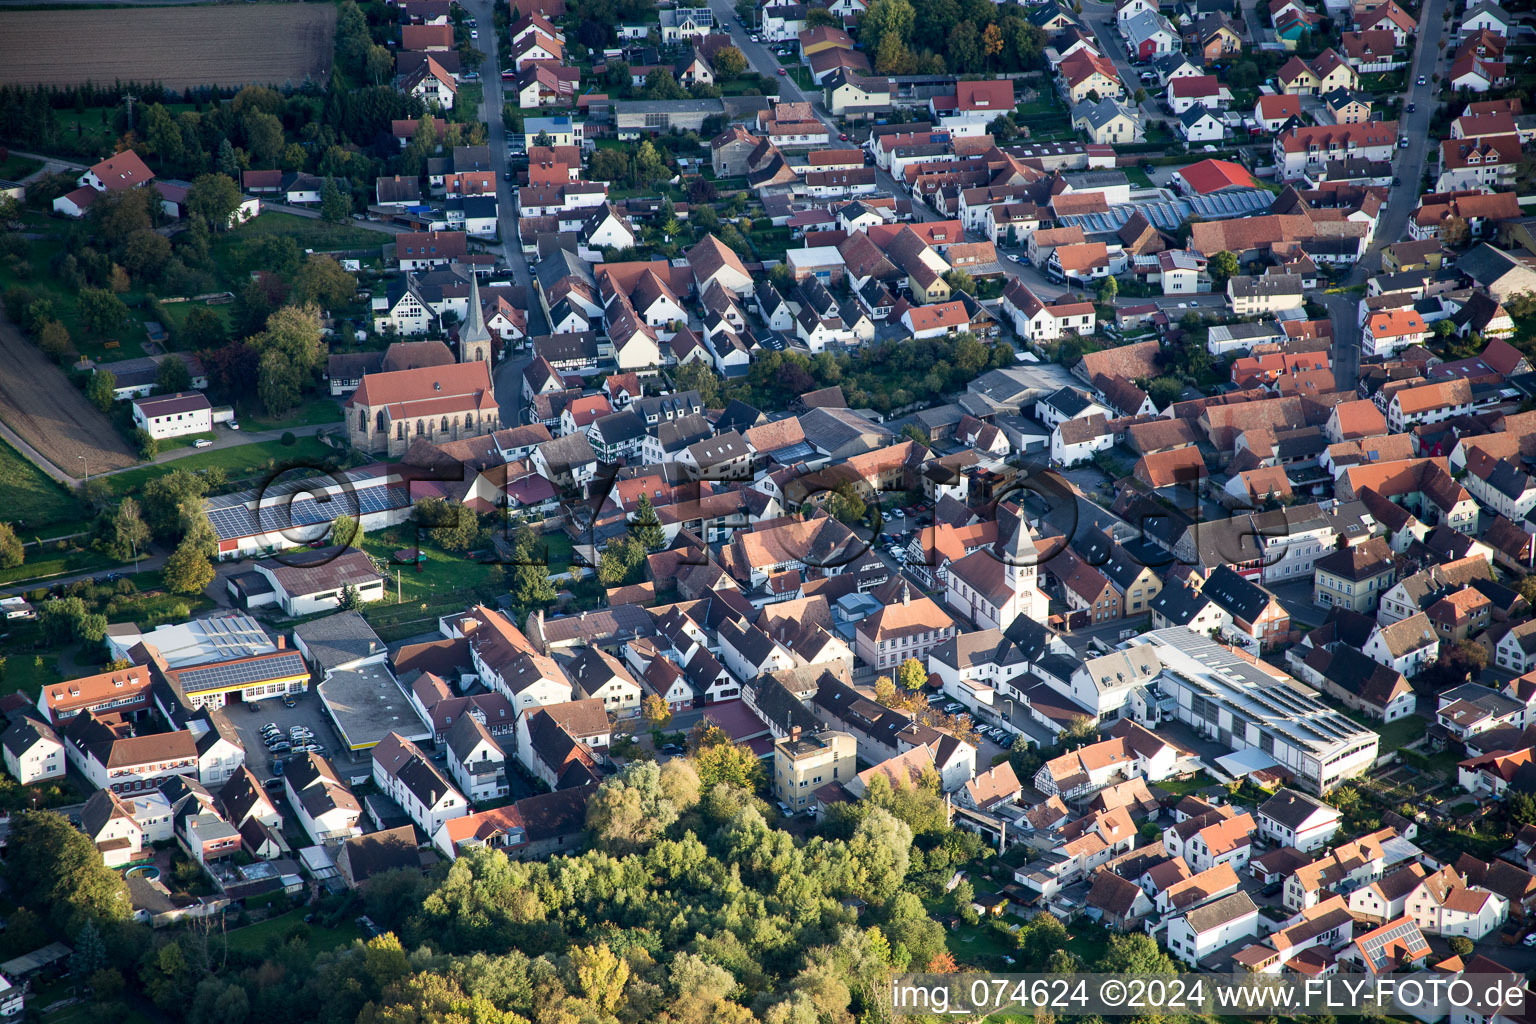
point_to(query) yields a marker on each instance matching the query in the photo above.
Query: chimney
(282, 642)
(794, 734)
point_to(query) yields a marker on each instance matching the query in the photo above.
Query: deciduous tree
(187, 570)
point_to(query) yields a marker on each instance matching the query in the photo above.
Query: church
(994, 586)
(389, 410)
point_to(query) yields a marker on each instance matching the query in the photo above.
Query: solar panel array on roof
(1168, 214)
(231, 675)
(792, 453)
(1376, 946)
(234, 521)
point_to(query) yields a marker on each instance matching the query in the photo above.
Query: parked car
(289, 702)
(783, 73)
(280, 747)
(672, 748)
(270, 727)
(233, 425)
(276, 781)
(1410, 108)
(202, 442)
(1012, 257)
(1423, 80)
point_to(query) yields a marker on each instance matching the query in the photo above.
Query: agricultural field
(179, 47)
(39, 403)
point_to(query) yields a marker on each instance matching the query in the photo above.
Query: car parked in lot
(280, 747)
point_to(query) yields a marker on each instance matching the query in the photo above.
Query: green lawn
(14, 167)
(32, 496)
(239, 462)
(321, 409)
(1138, 177)
(257, 938)
(22, 672)
(308, 232)
(42, 565)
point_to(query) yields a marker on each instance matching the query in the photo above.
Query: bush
(288, 439)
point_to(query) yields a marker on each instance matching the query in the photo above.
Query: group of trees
(949, 36)
(884, 377)
(623, 558)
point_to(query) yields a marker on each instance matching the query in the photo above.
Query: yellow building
(803, 764)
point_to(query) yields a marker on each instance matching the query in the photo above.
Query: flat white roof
(815, 256)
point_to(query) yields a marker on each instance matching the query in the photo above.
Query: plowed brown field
(179, 47)
(51, 414)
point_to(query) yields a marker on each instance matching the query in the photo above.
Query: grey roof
(1291, 809)
(338, 639)
(466, 734)
(1220, 912)
(668, 107)
(25, 733)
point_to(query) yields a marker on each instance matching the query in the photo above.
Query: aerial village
(1126, 436)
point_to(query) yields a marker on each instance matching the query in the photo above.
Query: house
(105, 750)
(1268, 293)
(1106, 122)
(1298, 150)
(1211, 926)
(476, 761)
(323, 804)
(1148, 35)
(320, 579)
(1272, 113)
(533, 827)
(1294, 819)
(1406, 646)
(32, 750)
(177, 415)
(1198, 124)
(561, 744)
(1386, 333)
(1485, 17)
(404, 773)
(803, 764)
(432, 84)
(1354, 577)
(360, 858)
(107, 820)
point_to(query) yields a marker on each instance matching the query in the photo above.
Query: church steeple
(474, 336)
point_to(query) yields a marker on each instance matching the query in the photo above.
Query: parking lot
(247, 720)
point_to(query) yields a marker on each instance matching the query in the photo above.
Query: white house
(1293, 819)
(476, 761)
(1211, 926)
(406, 775)
(32, 751)
(320, 800)
(186, 412)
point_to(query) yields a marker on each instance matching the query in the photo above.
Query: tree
(321, 281)
(649, 166)
(144, 254)
(214, 198)
(335, 205)
(53, 339)
(344, 531)
(912, 675)
(1164, 391)
(883, 16)
(290, 350)
(600, 975)
(620, 562)
(100, 311)
(845, 505)
(960, 281)
(172, 376)
(1003, 128)
(661, 84)
(130, 531)
(53, 868)
(187, 570)
(452, 525)
(1108, 288)
(203, 329)
(1223, 265)
(146, 443)
(645, 527)
(1460, 945)
(913, 432)
(102, 389)
(728, 62)
(655, 711)
(727, 762)
(893, 57)
(641, 802)
(1135, 953)
(610, 165)
(351, 598)
(12, 551)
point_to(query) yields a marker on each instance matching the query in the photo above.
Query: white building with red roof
(116, 173)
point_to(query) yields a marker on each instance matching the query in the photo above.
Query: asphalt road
(1101, 19)
(508, 374)
(1343, 309)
